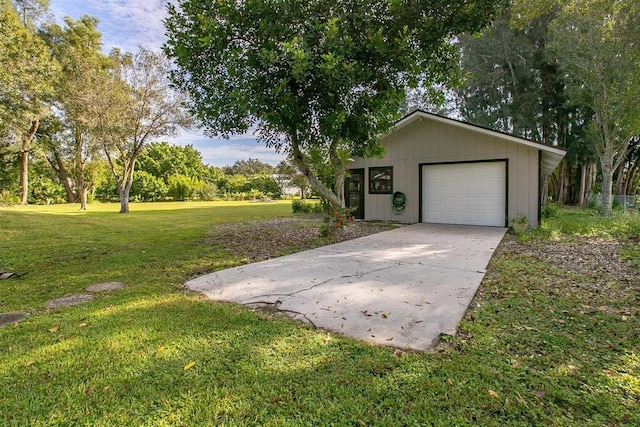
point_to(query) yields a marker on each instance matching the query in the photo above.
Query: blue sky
(128, 24)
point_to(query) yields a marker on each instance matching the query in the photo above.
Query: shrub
(235, 184)
(255, 194)
(246, 195)
(550, 210)
(616, 204)
(7, 198)
(46, 192)
(209, 191)
(266, 184)
(326, 230)
(182, 187)
(306, 206)
(633, 232)
(147, 188)
(519, 219)
(336, 219)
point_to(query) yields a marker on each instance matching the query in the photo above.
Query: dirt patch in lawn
(12, 317)
(587, 266)
(261, 240)
(69, 301)
(596, 259)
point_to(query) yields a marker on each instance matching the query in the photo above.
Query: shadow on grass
(125, 365)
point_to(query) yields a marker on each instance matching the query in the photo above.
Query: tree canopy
(561, 72)
(146, 108)
(77, 47)
(248, 167)
(27, 74)
(597, 46)
(313, 74)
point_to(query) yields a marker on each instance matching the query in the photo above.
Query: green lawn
(541, 345)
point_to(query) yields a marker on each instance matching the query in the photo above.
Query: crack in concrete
(292, 294)
(300, 314)
(276, 306)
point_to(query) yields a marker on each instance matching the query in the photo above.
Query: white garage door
(464, 193)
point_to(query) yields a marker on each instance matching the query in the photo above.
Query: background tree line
(171, 172)
(77, 124)
(69, 112)
(563, 73)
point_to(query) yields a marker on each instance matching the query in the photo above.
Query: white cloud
(222, 152)
(126, 24)
(222, 155)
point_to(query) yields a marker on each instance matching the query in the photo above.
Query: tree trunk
(62, 172)
(544, 190)
(607, 186)
(298, 159)
(583, 184)
(592, 174)
(553, 186)
(58, 166)
(566, 184)
(123, 192)
(338, 169)
(620, 179)
(83, 199)
(561, 183)
(24, 161)
(124, 188)
(631, 181)
(24, 176)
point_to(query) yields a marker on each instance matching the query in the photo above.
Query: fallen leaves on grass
(54, 329)
(597, 260)
(189, 365)
(262, 240)
(611, 372)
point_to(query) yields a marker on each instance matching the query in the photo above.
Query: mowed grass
(528, 353)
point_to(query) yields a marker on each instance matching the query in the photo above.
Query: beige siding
(427, 141)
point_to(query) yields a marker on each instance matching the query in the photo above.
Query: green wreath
(399, 202)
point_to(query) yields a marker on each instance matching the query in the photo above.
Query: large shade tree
(74, 146)
(595, 44)
(598, 46)
(27, 74)
(136, 106)
(318, 74)
(514, 84)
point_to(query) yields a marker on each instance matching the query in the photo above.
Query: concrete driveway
(401, 288)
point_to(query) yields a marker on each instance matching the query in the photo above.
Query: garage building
(440, 170)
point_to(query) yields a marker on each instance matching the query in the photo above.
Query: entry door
(465, 193)
(354, 192)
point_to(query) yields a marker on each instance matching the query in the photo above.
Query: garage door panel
(465, 193)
